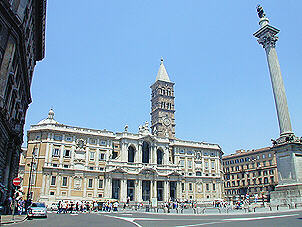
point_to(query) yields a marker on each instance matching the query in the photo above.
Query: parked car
(37, 210)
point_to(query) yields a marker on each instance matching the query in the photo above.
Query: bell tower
(162, 104)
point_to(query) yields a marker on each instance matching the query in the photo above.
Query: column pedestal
(289, 165)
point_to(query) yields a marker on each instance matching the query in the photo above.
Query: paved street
(290, 218)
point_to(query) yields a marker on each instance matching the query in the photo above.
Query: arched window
(198, 173)
(159, 155)
(131, 154)
(146, 152)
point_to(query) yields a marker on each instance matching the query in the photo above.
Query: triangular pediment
(117, 170)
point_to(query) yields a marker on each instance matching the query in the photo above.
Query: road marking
(131, 220)
(239, 219)
(257, 218)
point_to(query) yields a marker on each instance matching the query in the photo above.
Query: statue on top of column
(260, 11)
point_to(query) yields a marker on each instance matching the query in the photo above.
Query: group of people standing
(82, 206)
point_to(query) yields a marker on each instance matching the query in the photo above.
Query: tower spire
(162, 72)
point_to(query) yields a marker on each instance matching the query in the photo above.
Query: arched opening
(131, 154)
(146, 152)
(159, 156)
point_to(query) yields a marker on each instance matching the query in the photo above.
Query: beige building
(73, 163)
(252, 173)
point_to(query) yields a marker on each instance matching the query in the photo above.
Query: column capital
(267, 36)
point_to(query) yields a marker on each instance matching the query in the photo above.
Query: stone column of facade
(154, 189)
(58, 185)
(95, 188)
(166, 190)
(47, 185)
(108, 187)
(69, 181)
(267, 38)
(84, 187)
(43, 185)
(123, 190)
(138, 190)
(47, 153)
(178, 189)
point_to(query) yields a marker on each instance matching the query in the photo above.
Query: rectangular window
(57, 137)
(33, 179)
(65, 166)
(101, 156)
(189, 164)
(91, 168)
(53, 180)
(190, 187)
(89, 183)
(103, 142)
(64, 182)
(182, 163)
(207, 187)
(68, 139)
(207, 165)
(182, 186)
(91, 156)
(67, 153)
(269, 155)
(92, 141)
(214, 187)
(56, 152)
(213, 165)
(100, 183)
(263, 156)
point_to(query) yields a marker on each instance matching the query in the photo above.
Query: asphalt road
(292, 219)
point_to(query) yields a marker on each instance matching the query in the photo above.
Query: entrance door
(172, 190)
(146, 190)
(116, 188)
(160, 190)
(130, 190)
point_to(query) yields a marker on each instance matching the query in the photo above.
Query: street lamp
(28, 196)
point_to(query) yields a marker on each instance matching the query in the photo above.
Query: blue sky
(102, 57)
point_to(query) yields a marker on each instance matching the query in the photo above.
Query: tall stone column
(267, 38)
(288, 148)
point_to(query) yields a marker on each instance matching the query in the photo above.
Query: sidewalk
(8, 219)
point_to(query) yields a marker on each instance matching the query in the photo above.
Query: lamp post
(28, 196)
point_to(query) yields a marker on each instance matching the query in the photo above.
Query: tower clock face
(167, 121)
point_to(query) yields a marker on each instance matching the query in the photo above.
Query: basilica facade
(152, 165)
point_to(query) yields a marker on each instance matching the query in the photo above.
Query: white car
(37, 210)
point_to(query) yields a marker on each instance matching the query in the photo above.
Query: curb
(12, 222)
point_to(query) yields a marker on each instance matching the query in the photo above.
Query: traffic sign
(16, 181)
